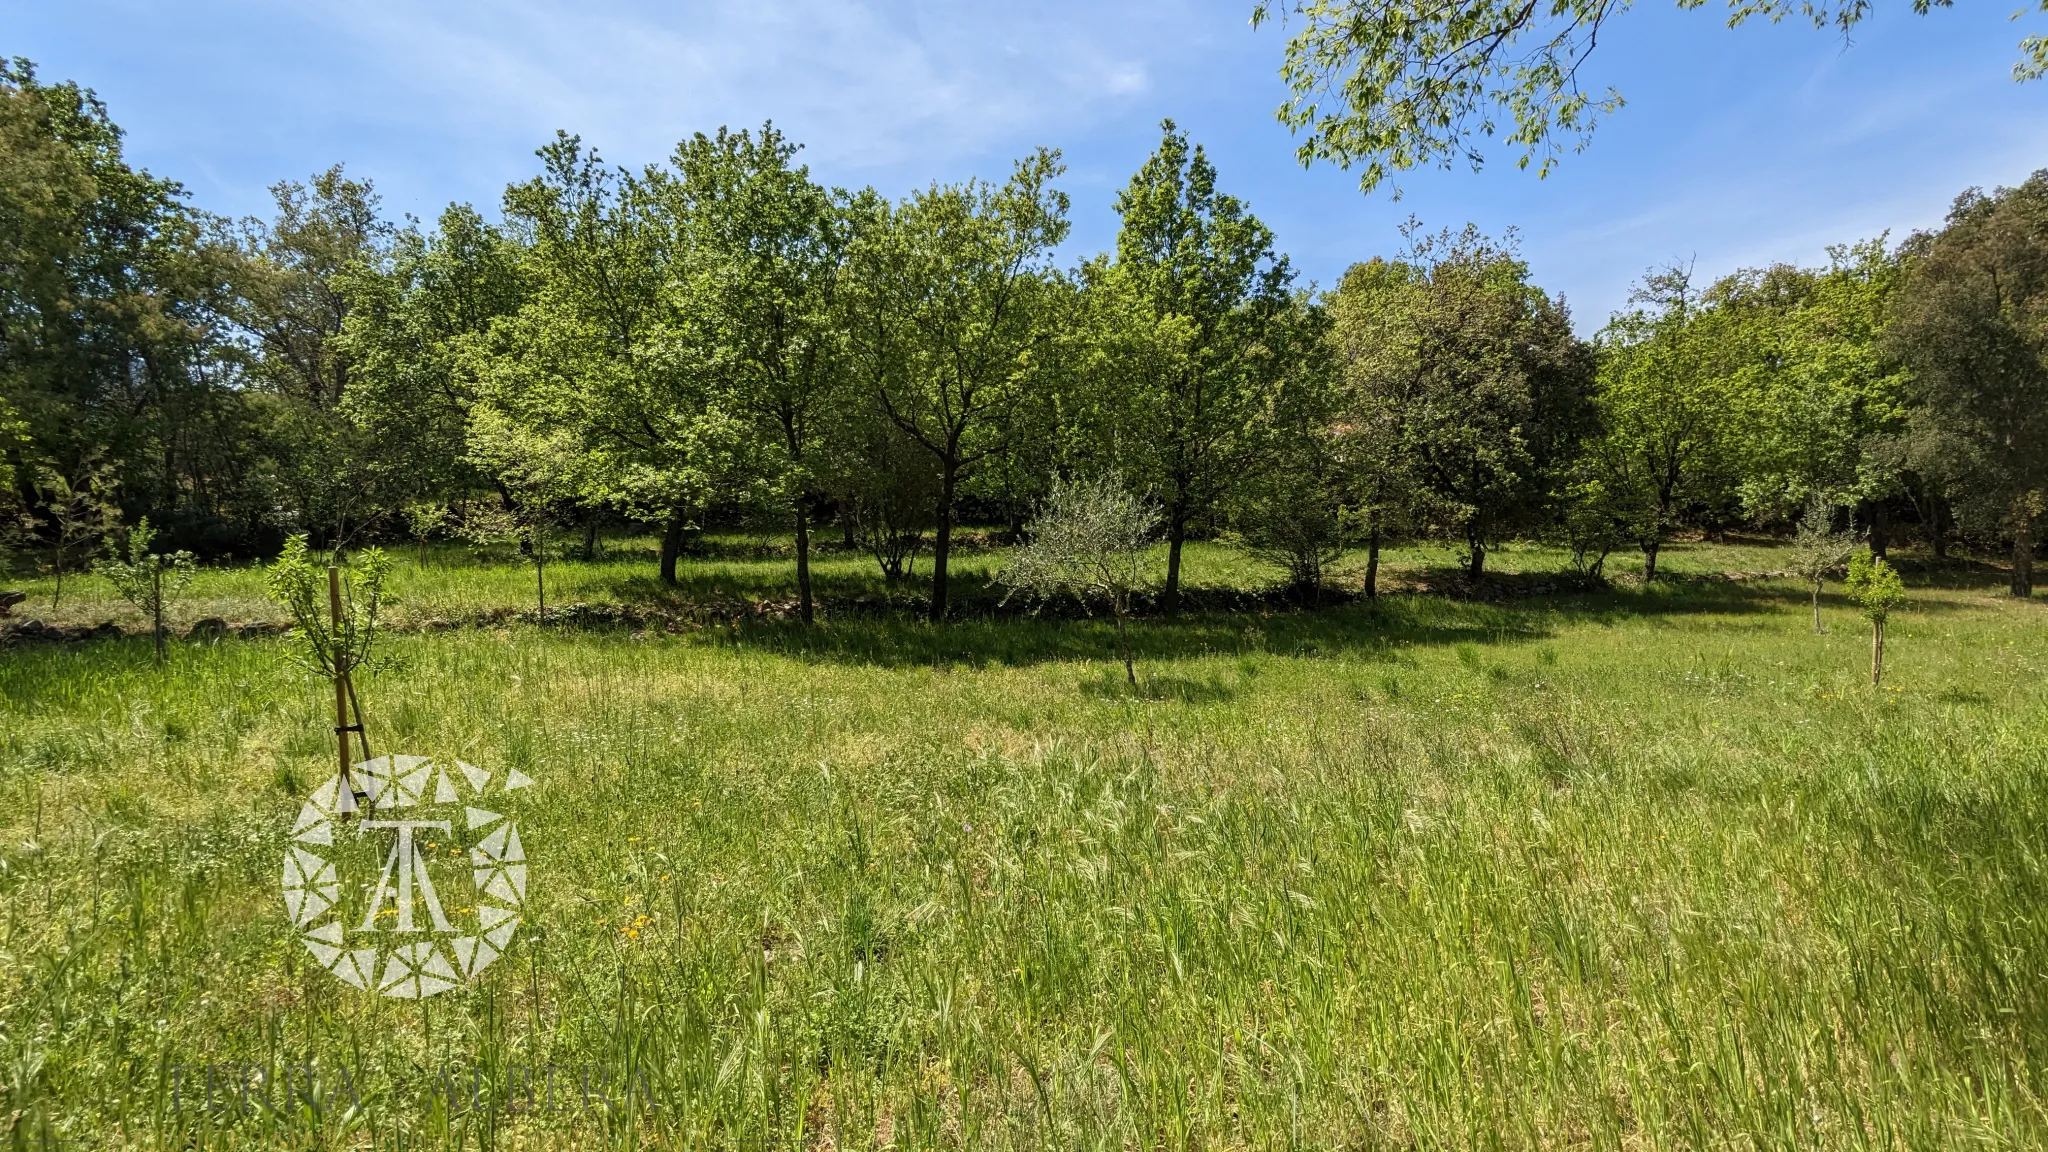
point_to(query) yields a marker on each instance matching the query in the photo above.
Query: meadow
(1647, 866)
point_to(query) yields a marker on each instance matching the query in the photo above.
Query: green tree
(115, 320)
(1288, 507)
(1198, 284)
(1390, 85)
(419, 335)
(147, 579)
(1819, 550)
(335, 479)
(1875, 587)
(763, 255)
(335, 613)
(1972, 324)
(1665, 409)
(1487, 389)
(540, 476)
(77, 514)
(1090, 540)
(1816, 403)
(604, 348)
(947, 298)
(1366, 339)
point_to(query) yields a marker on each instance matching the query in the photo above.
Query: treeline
(720, 339)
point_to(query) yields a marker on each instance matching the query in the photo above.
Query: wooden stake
(346, 801)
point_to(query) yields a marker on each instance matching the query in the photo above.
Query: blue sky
(1737, 147)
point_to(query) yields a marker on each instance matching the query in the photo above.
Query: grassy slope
(1652, 867)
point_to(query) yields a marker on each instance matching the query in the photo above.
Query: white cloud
(865, 85)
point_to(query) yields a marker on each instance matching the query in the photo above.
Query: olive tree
(1089, 541)
(1819, 550)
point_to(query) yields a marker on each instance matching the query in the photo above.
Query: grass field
(1653, 867)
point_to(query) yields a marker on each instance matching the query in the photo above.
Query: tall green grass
(1650, 868)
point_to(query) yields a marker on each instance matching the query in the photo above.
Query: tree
(605, 349)
(1487, 389)
(1601, 508)
(539, 473)
(1381, 497)
(1972, 324)
(334, 614)
(148, 580)
(1199, 286)
(1089, 541)
(1876, 588)
(1390, 85)
(947, 296)
(1816, 404)
(1818, 550)
(1665, 407)
(76, 516)
(886, 489)
(335, 478)
(1288, 508)
(763, 254)
(419, 336)
(115, 332)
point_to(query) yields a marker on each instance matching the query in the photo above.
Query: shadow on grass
(867, 623)
(1111, 685)
(1370, 629)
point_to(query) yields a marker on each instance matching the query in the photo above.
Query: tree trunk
(590, 538)
(1176, 535)
(1876, 652)
(1650, 550)
(846, 529)
(1123, 645)
(803, 561)
(1880, 528)
(671, 547)
(540, 576)
(2023, 560)
(1372, 565)
(157, 608)
(1475, 564)
(1817, 629)
(942, 541)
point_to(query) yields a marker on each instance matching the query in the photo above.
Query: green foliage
(1090, 540)
(1875, 587)
(1487, 388)
(765, 250)
(147, 579)
(76, 515)
(1665, 410)
(1390, 85)
(1818, 550)
(1194, 304)
(1599, 512)
(948, 297)
(300, 584)
(1972, 323)
(1287, 506)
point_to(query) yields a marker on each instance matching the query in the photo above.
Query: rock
(31, 632)
(259, 630)
(104, 630)
(9, 599)
(211, 628)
